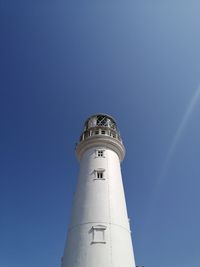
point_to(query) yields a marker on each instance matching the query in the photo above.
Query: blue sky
(60, 62)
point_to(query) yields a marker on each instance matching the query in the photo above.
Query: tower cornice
(101, 141)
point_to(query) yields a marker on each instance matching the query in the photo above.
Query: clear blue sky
(60, 62)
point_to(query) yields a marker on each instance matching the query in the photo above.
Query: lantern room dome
(100, 120)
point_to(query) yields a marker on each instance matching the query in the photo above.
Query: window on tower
(98, 234)
(100, 153)
(100, 174)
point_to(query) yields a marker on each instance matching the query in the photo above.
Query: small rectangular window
(96, 132)
(103, 132)
(100, 153)
(99, 174)
(98, 235)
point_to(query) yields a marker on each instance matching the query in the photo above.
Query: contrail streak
(175, 141)
(179, 132)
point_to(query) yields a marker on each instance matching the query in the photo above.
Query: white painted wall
(99, 203)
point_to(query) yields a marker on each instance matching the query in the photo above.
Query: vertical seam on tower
(108, 177)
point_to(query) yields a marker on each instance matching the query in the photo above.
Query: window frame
(98, 229)
(100, 150)
(99, 174)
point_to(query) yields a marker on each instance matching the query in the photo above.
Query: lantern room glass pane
(100, 121)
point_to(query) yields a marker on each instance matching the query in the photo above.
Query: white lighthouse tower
(99, 232)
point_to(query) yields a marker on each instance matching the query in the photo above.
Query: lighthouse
(99, 232)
